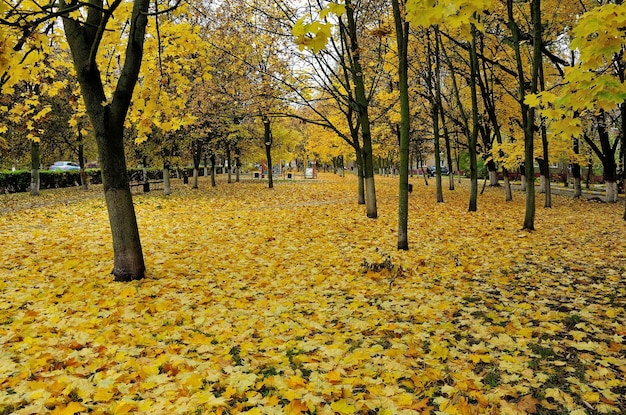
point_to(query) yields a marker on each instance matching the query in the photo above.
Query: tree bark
(237, 164)
(107, 120)
(35, 161)
(197, 157)
(267, 139)
(472, 139)
(507, 185)
(230, 166)
(213, 184)
(576, 173)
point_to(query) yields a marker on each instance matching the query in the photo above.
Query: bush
(14, 181)
(19, 180)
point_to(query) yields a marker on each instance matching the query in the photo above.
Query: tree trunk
(197, 157)
(507, 185)
(576, 174)
(434, 78)
(267, 138)
(493, 174)
(611, 191)
(213, 184)
(402, 33)
(360, 176)
(128, 257)
(167, 189)
(237, 164)
(472, 139)
(194, 178)
(35, 161)
(229, 161)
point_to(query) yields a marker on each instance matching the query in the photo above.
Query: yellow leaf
(343, 407)
(532, 100)
(591, 396)
(438, 351)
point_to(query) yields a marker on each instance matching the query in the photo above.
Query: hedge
(19, 180)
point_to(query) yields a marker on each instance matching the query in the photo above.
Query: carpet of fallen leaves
(291, 301)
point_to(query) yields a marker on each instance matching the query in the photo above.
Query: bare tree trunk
(35, 161)
(213, 184)
(472, 139)
(228, 158)
(507, 185)
(267, 137)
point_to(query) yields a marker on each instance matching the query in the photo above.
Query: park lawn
(291, 301)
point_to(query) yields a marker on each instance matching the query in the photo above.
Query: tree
(314, 35)
(402, 40)
(593, 88)
(85, 26)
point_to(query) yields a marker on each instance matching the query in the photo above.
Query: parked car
(432, 171)
(65, 166)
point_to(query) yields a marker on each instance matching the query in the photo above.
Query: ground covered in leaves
(291, 301)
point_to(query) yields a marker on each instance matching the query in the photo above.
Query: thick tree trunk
(578, 187)
(493, 177)
(194, 178)
(35, 161)
(611, 191)
(128, 263)
(507, 185)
